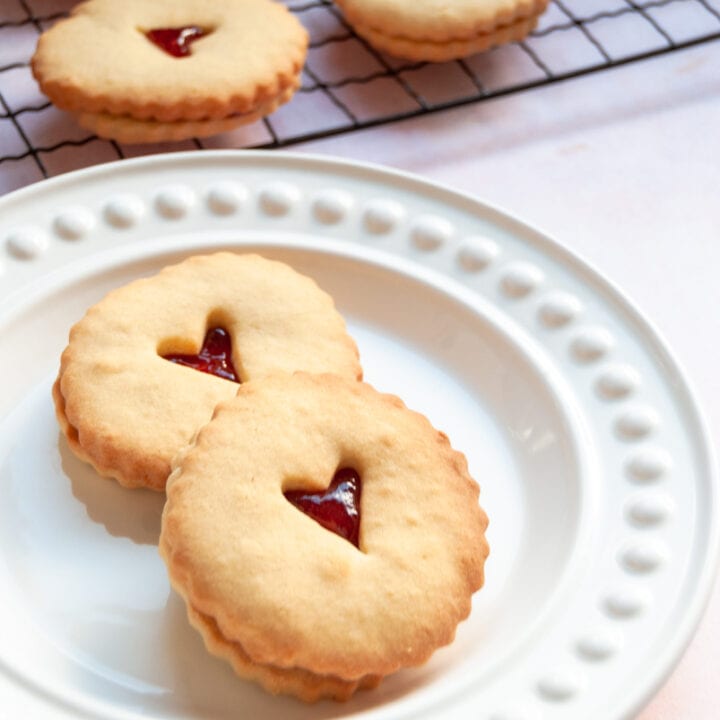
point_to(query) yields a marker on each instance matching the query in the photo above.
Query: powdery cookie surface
(100, 62)
(436, 30)
(258, 574)
(127, 410)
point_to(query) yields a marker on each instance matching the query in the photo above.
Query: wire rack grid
(347, 84)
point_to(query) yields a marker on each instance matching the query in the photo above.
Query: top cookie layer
(127, 410)
(438, 20)
(292, 593)
(99, 60)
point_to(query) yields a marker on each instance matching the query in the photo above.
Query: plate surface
(594, 465)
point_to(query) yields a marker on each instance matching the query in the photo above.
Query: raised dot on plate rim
(123, 211)
(560, 684)
(599, 644)
(649, 509)
(430, 232)
(625, 604)
(520, 279)
(591, 344)
(477, 253)
(382, 216)
(643, 556)
(636, 423)
(73, 223)
(558, 309)
(175, 201)
(225, 198)
(278, 198)
(27, 243)
(331, 206)
(648, 465)
(617, 382)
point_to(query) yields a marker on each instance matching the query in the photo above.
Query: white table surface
(622, 167)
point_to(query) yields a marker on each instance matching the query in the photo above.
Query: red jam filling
(175, 41)
(215, 356)
(338, 508)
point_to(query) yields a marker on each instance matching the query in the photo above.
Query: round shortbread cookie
(127, 410)
(435, 30)
(101, 60)
(260, 575)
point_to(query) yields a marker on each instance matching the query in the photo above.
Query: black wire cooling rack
(347, 84)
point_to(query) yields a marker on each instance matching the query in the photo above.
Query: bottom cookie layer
(73, 439)
(127, 129)
(303, 684)
(432, 51)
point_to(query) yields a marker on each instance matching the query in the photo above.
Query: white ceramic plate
(594, 466)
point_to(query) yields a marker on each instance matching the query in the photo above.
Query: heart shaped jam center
(338, 508)
(175, 41)
(215, 356)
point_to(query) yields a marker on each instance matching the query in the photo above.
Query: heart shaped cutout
(175, 41)
(214, 358)
(338, 508)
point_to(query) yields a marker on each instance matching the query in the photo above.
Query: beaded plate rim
(519, 269)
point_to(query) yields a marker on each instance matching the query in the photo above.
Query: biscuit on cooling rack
(139, 71)
(129, 393)
(322, 535)
(437, 30)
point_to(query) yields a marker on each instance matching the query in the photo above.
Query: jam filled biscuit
(437, 30)
(140, 71)
(147, 365)
(306, 519)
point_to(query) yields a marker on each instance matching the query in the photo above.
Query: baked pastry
(437, 30)
(123, 398)
(140, 71)
(306, 518)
